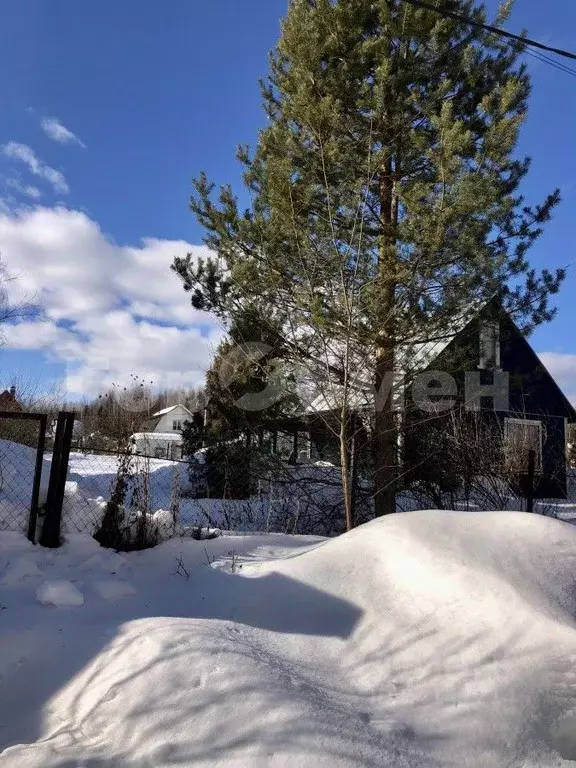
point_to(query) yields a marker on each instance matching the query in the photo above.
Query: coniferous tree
(385, 192)
(245, 366)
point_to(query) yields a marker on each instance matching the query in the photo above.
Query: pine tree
(385, 191)
(245, 365)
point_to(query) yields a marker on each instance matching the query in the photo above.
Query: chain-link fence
(128, 500)
(175, 498)
(22, 480)
(238, 491)
(140, 485)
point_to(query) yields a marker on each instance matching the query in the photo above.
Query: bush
(220, 472)
(127, 524)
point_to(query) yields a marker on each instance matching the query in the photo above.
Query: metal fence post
(42, 426)
(57, 484)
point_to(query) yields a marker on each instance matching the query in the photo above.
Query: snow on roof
(164, 411)
(421, 354)
(173, 437)
(408, 359)
(333, 399)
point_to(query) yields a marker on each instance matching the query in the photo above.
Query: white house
(161, 434)
(160, 445)
(168, 421)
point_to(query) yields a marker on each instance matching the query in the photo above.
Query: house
(169, 420)
(506, 398)
(9, 401)
(159, 445)
(161, 435)
(13, 429)
(495, 386)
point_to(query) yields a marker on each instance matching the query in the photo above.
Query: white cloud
(563, 368)
(54, 129)
(102, 302)
(45, 335)
(26, 155)
(25, 189)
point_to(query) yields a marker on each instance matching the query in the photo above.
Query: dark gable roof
(149, 425)
(570, 410)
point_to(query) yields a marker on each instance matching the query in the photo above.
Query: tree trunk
(345, 468)
(354, 475)
(385, 439)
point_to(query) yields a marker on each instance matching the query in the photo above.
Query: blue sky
(150, 94)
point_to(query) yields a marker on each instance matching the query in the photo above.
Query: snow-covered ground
(290, 506)
(308, 494)
(423, 639)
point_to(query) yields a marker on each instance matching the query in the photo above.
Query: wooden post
(294, 455)
(530, 481)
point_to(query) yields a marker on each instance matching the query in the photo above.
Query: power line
(547, 60)
(489, 28)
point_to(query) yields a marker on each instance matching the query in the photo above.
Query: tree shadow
(400, 692)
(58, 650)
(298, 720)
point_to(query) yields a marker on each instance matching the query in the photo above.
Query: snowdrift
(423, 639)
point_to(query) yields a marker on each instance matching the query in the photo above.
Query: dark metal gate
(22, 437)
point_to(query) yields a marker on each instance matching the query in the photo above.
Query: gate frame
(42, 420)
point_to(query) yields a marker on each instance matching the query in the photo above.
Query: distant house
(161, 435)
(167, 421)
(9, 401)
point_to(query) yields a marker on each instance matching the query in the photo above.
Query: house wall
(180, 413)
(533, 394)
(157, 447)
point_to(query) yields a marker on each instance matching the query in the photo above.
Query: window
(176, 426)
(520, 437)
(489, 346)
(285, 445)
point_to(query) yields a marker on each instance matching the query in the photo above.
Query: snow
(305, 497)
(422, 639)
(21, 569)
(17, 465)
(114, 589)
(90, 479)
(151, 436)
(164, 411)
(60, 594)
